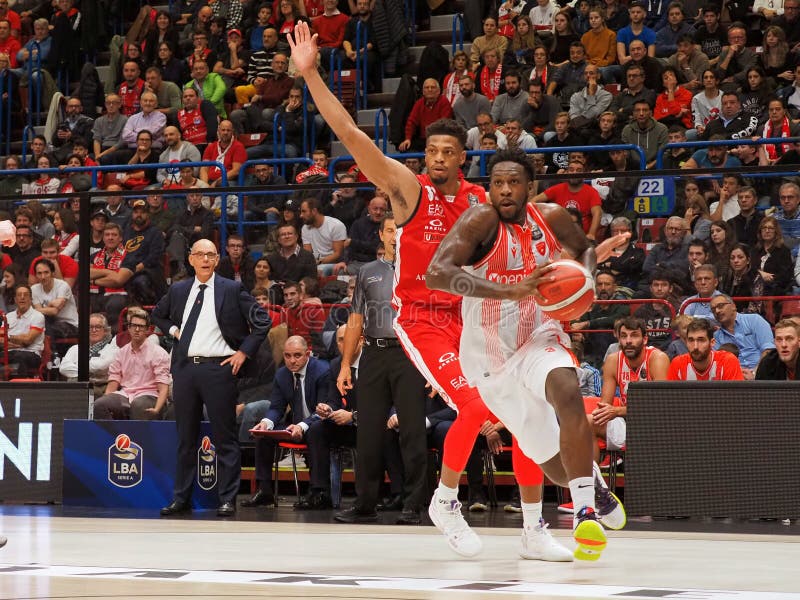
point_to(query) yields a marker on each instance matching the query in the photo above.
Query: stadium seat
(251, 139)
(649, 230)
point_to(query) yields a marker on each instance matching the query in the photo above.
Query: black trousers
(387, 377)
(212, 385)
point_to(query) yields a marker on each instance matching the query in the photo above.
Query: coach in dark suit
(218, 326)
(300, 385)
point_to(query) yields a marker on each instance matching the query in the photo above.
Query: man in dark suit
(301, 384)
(218, 327)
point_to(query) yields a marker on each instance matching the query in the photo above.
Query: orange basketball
(571, 294)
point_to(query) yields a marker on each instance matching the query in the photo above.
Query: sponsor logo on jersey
(435, 210)
(473, 199)
(447, 358)
(125, 462)
(536, 233)
(458, 382)
(506, 277)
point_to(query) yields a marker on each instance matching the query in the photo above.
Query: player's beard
(632, 352)
(698, 356)
(439, 180)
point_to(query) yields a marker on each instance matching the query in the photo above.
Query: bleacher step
(366, 116)
(338, 149)
(441, 23)
(416, 51)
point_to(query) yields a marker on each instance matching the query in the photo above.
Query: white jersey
(495, 329)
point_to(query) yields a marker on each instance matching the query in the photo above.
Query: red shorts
(434, 351)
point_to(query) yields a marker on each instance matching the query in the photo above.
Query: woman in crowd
(563, 36)
(172, 68)
(723, 239)
(755, 93)
(161, 33)
(11, 185)
(66, 232)
(580, 22)
(46, 183)
(40, 224)
(741, 280)
(697, 216)
(508, 14)
(541, 67)
(776, 60)
(458, 68)
(674, 103)
(489, 40)
(707, 103)
(288, 16)
(524, 40)
(12, 276)
(600, 42)
(772, 259)
(261, 273)
(144, 155)
(778, 125)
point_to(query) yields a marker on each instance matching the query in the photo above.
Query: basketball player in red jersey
(428, 323)
(495, 256)
(635, 361)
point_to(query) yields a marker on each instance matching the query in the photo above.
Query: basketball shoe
(609, 508)
(589, 535)
(539, 544)
(2, 541)
(447, 517)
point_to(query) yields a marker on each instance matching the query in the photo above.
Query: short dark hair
(47, 263)
(448, 127)
(697, 242)
(515, 155)
(699, 324)
(387, 216)
(313, 203)
(632, 323)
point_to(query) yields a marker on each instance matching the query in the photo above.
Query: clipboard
(279, 435)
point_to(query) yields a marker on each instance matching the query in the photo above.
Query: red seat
(251, 139)
(652, 226)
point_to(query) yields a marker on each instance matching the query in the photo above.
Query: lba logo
(125, 462)
(206, 464)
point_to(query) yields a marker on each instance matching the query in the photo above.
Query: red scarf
(114, 263)
(769, 132)
(540, 75)
(491, 87)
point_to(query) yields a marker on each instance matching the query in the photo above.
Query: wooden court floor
(52, 556)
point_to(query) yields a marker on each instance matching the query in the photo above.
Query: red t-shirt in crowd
(68, 266)
(235, 153)
(583, 200)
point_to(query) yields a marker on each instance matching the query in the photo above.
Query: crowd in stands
(205, 82)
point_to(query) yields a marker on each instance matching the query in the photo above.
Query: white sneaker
(2, 541)
(448, 519)
(286, 461)
(539, 544)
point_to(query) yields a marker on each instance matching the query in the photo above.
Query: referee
(386, 377)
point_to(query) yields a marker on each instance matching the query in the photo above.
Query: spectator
(259, 67)
(163, 32)
(350, 49)
(736, 58)
(601, 316)
(489, 76)
(484, 125)
(431, 107)
(712, 157)
(330, 26)
(778, 125)
(226, 150)
(201, 50)
(671, 253)
(657, 315)
(168, 94)
(645, 132)
(490, 40)
(772, 259)
(705, 282)
(197, 119)
(131, 88)
(97, 224)
(652, 66)
(756, 91)
(788, 216)
(24, 251)
(781, 364)
(108, 275)
(745, 224)
(150, 120)
(750, 333)
(673, 105)
(626, 260)
(697, 255)
(138, 377)
(175, 151)
(742, 280)
(291, 126)
(346, 204)
(12, 274)
(540, 116)
(562, 139)
(586, 105)
(66, 232)
(512, 103)
(262, 206)
(193, 224)
(667, 37)
(563, 38)
(9, 44)
(144, 247)
(574, 193)
(172, 68)
(518, 137)
(11, 185)
(232, 62)
(723, 239)
(291, 262)
(789, 22)
(38, 149)
(46, 183)
(53, 298)
(469, 104)
(702, 363)
(323, 236)
(144, 154)
(524, 39)
(74, 125)
(731, 123)
(637, 30)
(599, 41)
(209, 86)
(107, 131)
(690, 63)
(25, 327)
(459, 67)
(102, 350)
(635, 360)
(261, 276)
(237, 264)
(710, 36)
(541, 68)
(161, 218)
(117, 208)
(707, 104)
(262, 21)
(299, 385)
(570, 76)
(727, 206)
(364, 238)
(273, 90)
(622, 104)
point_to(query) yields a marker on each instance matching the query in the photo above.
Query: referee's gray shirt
(372, 299)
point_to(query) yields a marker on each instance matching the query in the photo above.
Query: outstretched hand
(303, 47)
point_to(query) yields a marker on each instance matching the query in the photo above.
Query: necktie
(353, 374)
(302, 409)
(191, 323)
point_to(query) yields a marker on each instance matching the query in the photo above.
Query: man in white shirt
(176, 151)
(25, 335)
(102, 350)
(53, 298)
(323, 236)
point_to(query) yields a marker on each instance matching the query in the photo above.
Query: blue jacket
(315, 387)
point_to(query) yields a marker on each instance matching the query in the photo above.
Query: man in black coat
(782, 362)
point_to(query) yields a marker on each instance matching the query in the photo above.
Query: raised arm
(388, 174)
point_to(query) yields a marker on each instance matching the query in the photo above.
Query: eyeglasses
(96, 327)
(206, 255)
(720, 306)
(137, 326)
(24, 235)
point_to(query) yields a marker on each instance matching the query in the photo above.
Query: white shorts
(616, 430)
(516, 394)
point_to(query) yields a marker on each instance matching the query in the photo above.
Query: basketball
(572, 292)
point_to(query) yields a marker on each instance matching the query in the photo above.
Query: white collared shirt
(207, 339)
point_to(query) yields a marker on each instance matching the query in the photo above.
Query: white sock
(582, 490)
(531, 513)
(447, 494)
(598, 475)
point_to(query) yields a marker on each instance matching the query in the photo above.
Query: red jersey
(626, 374)
(234, 153)
(130, 94)
(417, 241)
(192, 125)
(724, 366)
(68, 266)
(583, 200)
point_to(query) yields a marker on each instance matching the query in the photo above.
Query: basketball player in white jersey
(515, 354)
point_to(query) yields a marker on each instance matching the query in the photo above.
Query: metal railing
(703, 145)
(382, 130)
(458, 33)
